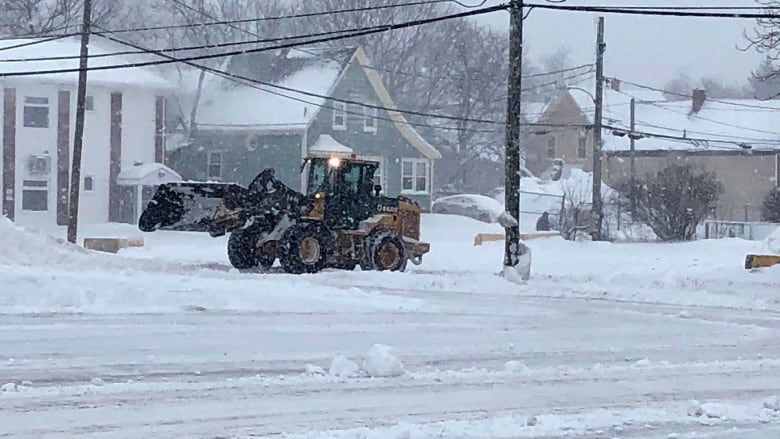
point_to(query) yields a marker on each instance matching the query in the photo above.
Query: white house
(123, 127)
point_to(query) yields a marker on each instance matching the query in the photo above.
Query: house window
(339, 116)
(89, 103)
(35, 195)
(214, 164)
(36, 112)
(89, 183)
(582, 147)
(369, 119)
(551, 147)
(379, 173)
(414, 175)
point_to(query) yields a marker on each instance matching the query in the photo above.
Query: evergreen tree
(766, 81)
(771, 208)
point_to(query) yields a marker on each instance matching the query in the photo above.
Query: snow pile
(381, 361)
(772, 403)
(515, 366)
(312, 369)
(694, 408)
(772, 243)
(343, 367)
(29, 247)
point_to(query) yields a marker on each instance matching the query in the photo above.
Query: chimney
(614, 84)
(697, 100)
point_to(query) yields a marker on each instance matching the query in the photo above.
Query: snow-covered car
(479, 207)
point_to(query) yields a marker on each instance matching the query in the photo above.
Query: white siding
(138, 135)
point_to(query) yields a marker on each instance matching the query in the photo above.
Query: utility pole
(632, 140)
(598, 214)
(78, 140)
(512, 162)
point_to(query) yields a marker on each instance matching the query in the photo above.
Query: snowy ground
(605, 341)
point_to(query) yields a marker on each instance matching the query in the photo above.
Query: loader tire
(384, 251)
(243, 252)
(305, 248)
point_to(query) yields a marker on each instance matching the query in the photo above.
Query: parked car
(479, 207)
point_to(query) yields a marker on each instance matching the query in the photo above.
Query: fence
(534, 204)
(714, 229)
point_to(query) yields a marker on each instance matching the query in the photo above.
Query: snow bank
(381, 361)
(42, 274)
(772, 243)
(30, 247)
(343, 367)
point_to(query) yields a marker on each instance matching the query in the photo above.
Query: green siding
(240, 165)
(282, 151)
(386, 142)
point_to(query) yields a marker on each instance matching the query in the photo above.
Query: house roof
(15, 57)
(228, 104)
(147, 174)
(726, 124)
(327, 144)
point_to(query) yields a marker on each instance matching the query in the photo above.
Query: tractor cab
(342, 189)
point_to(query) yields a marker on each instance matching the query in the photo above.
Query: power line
(191, 48)
(252, 83)
(36, 42)
(385, 28)
(691, 140)
(270, 18)
(673, 93)
(651, 10)
(717, 122)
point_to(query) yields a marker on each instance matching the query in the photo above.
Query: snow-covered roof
(226, 104)
(16, 54)
(147, 174)
(730, 123)
(533, 111)
(327, 144)
(727, 124)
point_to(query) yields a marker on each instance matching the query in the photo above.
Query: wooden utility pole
(512, 161)
(632, 140)
(598, 214)
(78, 140)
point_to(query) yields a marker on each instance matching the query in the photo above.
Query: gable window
(214, 165)
(35, 195)
(36, 112)
(89, 103)
(551, 147)
(89, 183)
(582, 147)
(414, 175)
(369, 119)
(339, 116)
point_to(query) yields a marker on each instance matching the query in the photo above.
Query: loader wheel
(305, 248)
(243, 252)
(384, 252)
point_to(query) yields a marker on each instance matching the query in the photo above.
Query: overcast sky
(649, 50)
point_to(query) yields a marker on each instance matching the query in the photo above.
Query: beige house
(737, 139)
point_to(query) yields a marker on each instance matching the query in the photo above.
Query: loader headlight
(318, 195)
(334, 162)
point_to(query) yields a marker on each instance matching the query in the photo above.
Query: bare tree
(765, 38)
(33, 18)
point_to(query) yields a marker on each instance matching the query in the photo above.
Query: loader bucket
(184, 206)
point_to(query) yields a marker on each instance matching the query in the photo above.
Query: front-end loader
(342, 221)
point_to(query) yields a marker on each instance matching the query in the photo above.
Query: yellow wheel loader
(341, 222)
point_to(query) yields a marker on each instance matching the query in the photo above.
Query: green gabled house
(243, 127)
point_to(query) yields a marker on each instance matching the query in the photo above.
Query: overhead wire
(652, 10)
(201, 57)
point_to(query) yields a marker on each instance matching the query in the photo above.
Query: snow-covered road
(606, 341)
